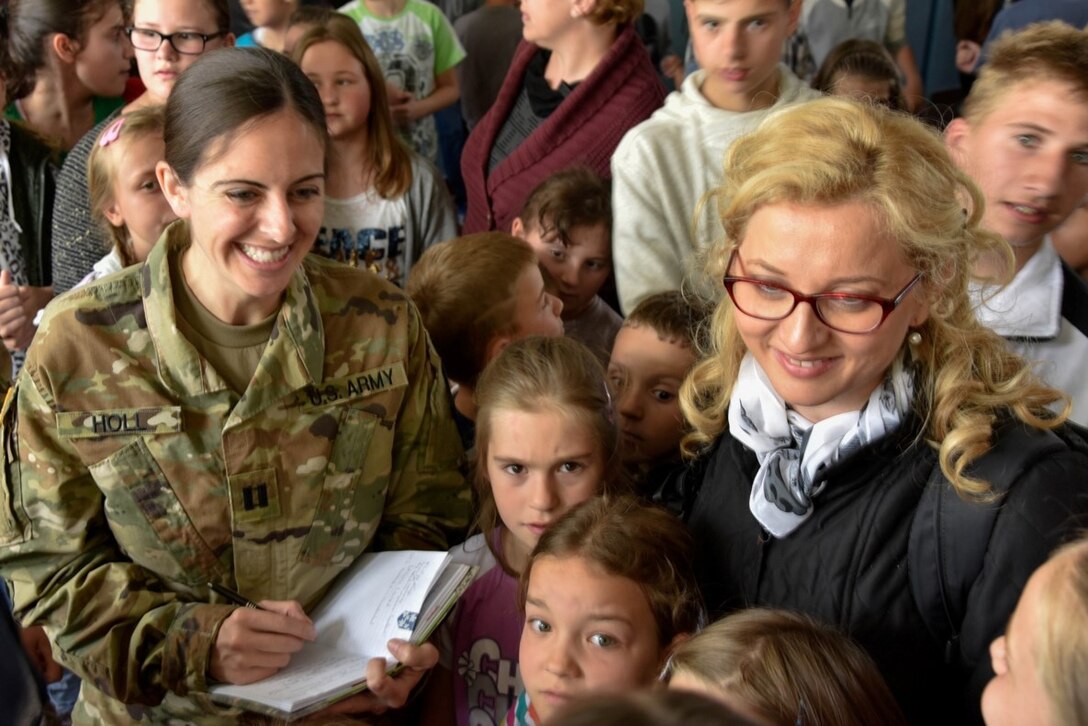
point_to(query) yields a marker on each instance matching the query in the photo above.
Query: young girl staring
(384, 203)
(125, 194)
(568, 221)
(1041, 662)
(780, 667)
(545, 442)
(608, 590)
(862, 70)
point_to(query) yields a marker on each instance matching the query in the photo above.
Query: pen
(235, 597)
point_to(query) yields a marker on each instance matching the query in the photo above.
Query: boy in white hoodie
(664, 165)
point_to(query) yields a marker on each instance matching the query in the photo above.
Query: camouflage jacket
(133, 475)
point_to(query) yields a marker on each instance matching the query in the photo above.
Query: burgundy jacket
(621, 92)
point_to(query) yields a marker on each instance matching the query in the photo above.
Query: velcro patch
(254, 496)
(119, 422)
(357, 385)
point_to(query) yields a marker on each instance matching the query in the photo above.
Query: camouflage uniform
(133, 475)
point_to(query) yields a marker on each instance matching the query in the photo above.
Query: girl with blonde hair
(125, 195)
(1041, 662)
(779, 667)
(847, 374)
(546, 441)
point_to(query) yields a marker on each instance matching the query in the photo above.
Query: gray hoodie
(660, 171)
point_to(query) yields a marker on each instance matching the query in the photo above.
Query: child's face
(540, 464)
(341, 81)
(536, 311)
(579, 269)
(268, 12)
(862, 88)
(585, 630)
(138, 202)
(1016, 694)
(646, 372)
(159, 69)
(105, 55)
(739, 44)
(1029, 157)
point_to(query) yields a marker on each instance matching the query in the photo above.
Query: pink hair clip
(112, 132)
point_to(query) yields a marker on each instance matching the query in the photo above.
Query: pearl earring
(914, 338)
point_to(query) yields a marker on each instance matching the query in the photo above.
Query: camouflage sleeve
(112, 622)
(429, 502)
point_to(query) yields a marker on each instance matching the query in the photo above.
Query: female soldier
(230, 412)
(847, 369)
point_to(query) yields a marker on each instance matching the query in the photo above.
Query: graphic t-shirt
(479, 643)
(368, 231)
(522, 713)
(413, 47)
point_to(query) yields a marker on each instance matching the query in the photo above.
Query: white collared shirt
(1028, 313)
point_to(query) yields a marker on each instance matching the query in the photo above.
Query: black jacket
(847, 565)
(32, 189)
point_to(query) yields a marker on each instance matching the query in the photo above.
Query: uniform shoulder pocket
(14, 524)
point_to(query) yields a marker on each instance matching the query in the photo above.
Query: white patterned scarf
(11, 252)
(793, 452)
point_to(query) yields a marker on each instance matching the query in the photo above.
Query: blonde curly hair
(966, 377)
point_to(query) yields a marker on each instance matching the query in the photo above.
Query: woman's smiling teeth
(265, 255)
(803, 363)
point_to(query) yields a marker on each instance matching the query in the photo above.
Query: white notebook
(403, 594)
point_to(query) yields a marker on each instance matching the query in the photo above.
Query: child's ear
(496, 345)
(669, 649)
(176, 193)
(112, 213)
(66, 48)
(518, 228)
(956, 135)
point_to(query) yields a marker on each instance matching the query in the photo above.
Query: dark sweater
(621, 92)
(78, 242)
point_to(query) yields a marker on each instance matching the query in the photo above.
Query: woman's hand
(18, 307)
(383, 690)
(14, 323)
(255, 643)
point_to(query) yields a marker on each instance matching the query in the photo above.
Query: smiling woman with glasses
(849, 386)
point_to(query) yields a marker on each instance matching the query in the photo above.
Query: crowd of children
(566, 332)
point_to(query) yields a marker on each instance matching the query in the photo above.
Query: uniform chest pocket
(148, 520)
(352, 497)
